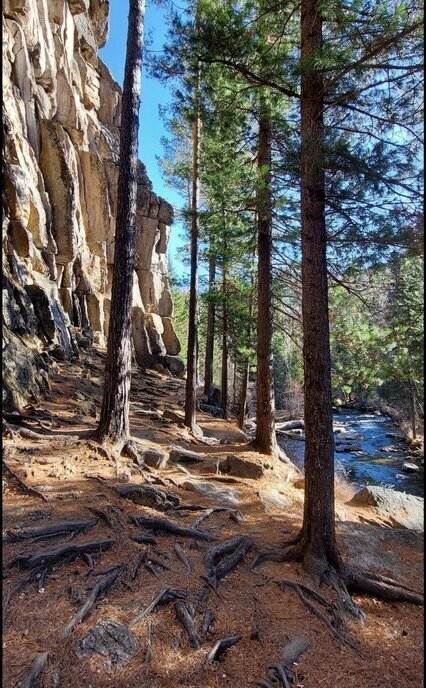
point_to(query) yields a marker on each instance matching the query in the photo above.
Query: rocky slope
(61, 118)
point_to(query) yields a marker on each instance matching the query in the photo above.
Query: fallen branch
(162, 525)
(185, 618)
(100, 587)
(35, 670)
(57, 528)
(182, 556)
(222, 646)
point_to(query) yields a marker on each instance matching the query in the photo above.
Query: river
(379, 458)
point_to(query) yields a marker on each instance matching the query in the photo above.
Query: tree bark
(318, 530)
(191, 367)
(265, 440)
(208, 363)
(246, 365)
(225, 335)
(114, 418)
(413, 409)
(243, 394)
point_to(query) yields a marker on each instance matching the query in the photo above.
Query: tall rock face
(61, 119)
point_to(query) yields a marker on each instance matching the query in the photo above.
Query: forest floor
(70, 475)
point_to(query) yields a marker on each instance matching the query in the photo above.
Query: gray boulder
(348, 448)
(184, 456)
(402, 510)
(175, 364)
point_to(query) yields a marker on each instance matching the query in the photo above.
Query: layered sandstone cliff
(61, 118)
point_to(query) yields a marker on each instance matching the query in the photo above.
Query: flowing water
(369, 465)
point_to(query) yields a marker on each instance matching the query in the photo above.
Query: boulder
(410, 467)
(274, 500)
(184, 456)
(243, 468)
(224, 496)
(175, 364)
(291, 425)
(348, 448)
(154, 458)
(402, 510)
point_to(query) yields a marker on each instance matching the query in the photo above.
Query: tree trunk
(246, 366)
(114, 419)
(318, 531)
(265, 440)
(191, 372)
(243, 394)
(413, 414)
(208, 364)
(224, 394)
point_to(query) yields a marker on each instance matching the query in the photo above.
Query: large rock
(400, 509)
(175, 364)
(61, 119)
(235, 465)
(224, 496)
(274, 500)
(184, 456)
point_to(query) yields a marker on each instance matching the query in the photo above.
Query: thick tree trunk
(114, 419)
(191, 372)
(265, 440)
(318, 532)
(208, 364)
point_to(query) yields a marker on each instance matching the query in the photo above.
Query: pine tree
(114, 419)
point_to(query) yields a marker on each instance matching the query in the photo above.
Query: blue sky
(151, 128)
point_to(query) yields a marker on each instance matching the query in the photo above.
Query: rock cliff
(61, 119)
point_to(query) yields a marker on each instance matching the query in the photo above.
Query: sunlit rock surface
(61, 118)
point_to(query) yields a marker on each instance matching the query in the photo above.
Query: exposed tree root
(184, 616)
(35, 670)
(224, 557)
(146, 495)
(101, 586)
(162, 525)
(332, 625)
(208, 619)
(182, 557)
(60, 553)
(7, 471)
(49, 530)
(390, 591)
(165, 596)
(144, 539)
(222, 646)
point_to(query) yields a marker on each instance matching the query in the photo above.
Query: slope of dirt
(71, 475)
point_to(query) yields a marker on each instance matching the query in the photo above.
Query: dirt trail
(76, 480)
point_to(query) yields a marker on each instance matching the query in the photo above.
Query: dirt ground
(65, 470)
